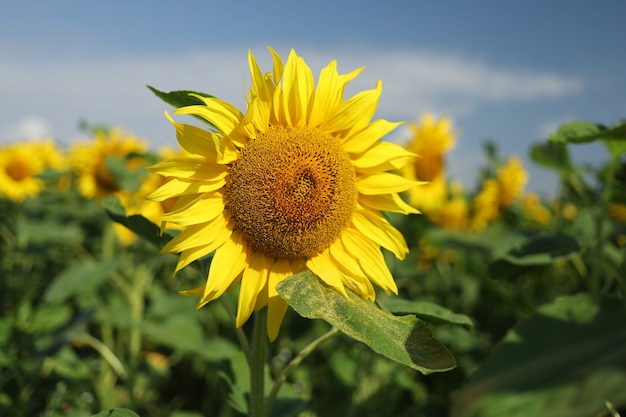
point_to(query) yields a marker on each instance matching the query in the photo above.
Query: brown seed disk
(291, 191)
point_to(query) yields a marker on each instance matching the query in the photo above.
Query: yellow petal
(360, 141)
(278, 65)
(384, 183)
(276, 306)
(178, 186)
(201, 210)
(382, 156)
(329, 92)
(224, 116)
(354, 277)
(355, 113)
(392, 203)
(194, 140)
(193, 292)
(370, 258)
(189, 255)
(323, 266)
(252, 282)
(228, 262)
(190, 168)
(197, 235)
(297, 86)
(380, 231)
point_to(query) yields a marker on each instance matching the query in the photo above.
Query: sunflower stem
(257, 365)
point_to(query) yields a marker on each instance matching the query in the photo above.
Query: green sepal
(183, 98)
(179, 98)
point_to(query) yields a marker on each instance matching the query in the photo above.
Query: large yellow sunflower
(298, 181)
(19, 167)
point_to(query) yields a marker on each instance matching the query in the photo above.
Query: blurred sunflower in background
(432, 140)
(298, 181)
(92, 161)
(19, 168)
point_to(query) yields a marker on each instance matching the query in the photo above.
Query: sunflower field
(288, 261)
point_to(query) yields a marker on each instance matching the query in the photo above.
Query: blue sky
(508, 71)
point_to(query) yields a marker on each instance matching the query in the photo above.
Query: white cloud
(29, 127)
(111, 89)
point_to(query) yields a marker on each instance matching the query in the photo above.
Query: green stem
(257, 365)
(284, 373)
(105, 352)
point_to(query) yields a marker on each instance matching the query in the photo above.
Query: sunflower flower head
(432, 140)
(512, 179)
(90, 160)
(19, 168)
(298, 181)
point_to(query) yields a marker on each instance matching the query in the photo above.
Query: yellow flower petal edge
(299, 180)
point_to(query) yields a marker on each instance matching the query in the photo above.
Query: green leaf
(143, 227)
(427, 311)
(80, 277)
(404, 339)
(553, 155)
(541, 249)
(567, 359)
(582, 132)
(180, 98)
(117, 412)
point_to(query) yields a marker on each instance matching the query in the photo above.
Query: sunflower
(90, 159)
(512, 178)
(297, 182)
(19, 167)
(432, 139)
(454, 212)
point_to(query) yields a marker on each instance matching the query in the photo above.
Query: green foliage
(520, 318)
(566, 359)
(406, 340)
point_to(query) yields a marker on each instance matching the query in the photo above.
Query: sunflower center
(291, 191)
(19, 170)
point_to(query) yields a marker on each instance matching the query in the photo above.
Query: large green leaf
(541, 249)
(553, 155)
(568, 359)
(404, 339)
(427, 311)
(583, 132)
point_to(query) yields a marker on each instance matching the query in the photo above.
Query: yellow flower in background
(89, 159)
(19, 167)
(485, 205)
(298, 181)
(512, 178)
(432, 139)
(136, 202)
(617, 211)
(454, 212)
(535, 210)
